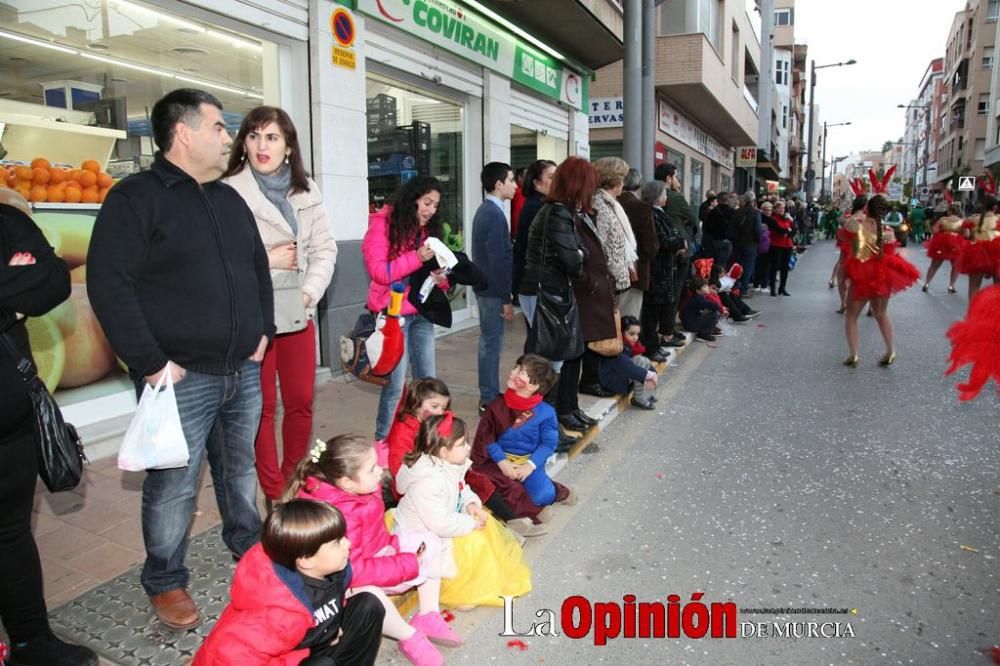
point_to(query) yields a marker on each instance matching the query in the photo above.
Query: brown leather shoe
(176, 609)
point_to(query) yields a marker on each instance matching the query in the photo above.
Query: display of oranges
(41, 182)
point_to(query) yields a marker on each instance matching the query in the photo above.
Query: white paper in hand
(155, 438)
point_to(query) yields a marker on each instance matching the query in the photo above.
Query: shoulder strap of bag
(545, 238)
(24, 364)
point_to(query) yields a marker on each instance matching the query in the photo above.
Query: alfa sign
(451, 26)
(746, 157)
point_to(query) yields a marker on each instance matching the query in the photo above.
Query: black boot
(46, 649)
(566, 441)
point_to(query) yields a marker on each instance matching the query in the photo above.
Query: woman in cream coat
(266, 168)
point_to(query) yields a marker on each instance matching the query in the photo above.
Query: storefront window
(77, 83)
(411, 133)
(697, 173)
(725, 183)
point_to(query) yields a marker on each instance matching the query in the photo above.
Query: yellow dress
(490, 564)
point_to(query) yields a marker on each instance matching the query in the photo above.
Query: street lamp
(810, 172)
(926, 108)
(822, 177)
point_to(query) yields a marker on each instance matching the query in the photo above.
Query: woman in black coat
(537, 181)
(32, 281)
(659, 303)
(557, 228)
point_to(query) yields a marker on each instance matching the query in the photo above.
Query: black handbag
(60, 449)
(555, 327)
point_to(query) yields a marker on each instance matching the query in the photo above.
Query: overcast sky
(893, 42)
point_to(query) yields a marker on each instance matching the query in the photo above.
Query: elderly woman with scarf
(266, 168)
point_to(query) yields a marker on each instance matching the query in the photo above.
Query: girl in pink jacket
(393, 249)
(344, 472)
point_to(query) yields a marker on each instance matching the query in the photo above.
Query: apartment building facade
(968, 64)
(790, 78)
(706, 78)
(991, 159)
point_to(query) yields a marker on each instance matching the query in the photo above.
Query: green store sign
(450, 26)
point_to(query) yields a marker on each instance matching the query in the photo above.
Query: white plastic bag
(155, 438)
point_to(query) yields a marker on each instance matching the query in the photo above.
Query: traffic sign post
(966, 183)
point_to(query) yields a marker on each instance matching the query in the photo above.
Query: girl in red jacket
(288, 601)
(344, 472)
(430, 397)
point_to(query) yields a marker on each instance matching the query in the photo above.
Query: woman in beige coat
(266, 168)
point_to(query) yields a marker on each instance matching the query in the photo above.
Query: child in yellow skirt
(480, 559)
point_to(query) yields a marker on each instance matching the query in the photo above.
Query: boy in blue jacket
(630, 370)
(516, 435)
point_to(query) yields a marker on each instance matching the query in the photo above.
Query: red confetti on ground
(448, 616)
(761, 325)
(520, 645)
(659, 475)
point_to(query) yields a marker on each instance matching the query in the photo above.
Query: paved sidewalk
(91, 536)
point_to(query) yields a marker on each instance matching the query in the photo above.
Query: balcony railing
(750, 98)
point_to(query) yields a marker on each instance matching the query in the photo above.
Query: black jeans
(568, 397)
(589, 368)
(362, 637)
(779, 264)
(704, 322)
(22, 603)
(762, 270)
(656, 319)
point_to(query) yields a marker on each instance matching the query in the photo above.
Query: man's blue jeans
(418, 333)
(491, 326)
(220, 415)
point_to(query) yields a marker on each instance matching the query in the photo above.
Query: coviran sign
(450, 26)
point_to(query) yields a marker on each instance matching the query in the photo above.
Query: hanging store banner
(606, 112)
(450, 26)
(746, 157)
(677, 125)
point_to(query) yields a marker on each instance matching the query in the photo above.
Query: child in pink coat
(344, 472)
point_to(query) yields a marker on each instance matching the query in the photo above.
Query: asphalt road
(772, 476)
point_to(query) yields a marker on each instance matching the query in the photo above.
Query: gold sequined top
(951, 224)
(988, 231)
(864, 245)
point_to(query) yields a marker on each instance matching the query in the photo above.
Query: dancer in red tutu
(844, 241)
(946, 244)
(980, 257)
(977, 341)
(875, 271)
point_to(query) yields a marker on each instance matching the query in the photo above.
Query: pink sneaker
(436, 629)
(419, 650)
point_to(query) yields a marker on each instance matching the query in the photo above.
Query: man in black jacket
(682, 218)
(179, 279)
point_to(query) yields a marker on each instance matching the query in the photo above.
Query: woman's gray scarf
(275, 187)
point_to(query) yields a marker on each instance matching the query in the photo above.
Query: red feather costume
(976, 341)
(981, 255)
(875, 269)
(947, 241)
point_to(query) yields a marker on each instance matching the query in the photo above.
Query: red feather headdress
(881, 186)
(858, 187)
(989, 185)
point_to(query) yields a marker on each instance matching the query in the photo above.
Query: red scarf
(637, 349)
(519, 403)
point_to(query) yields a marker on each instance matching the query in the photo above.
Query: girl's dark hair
(298, 528)
(697, 283)
(257, 119)
(430, 440)
(420, 390)
(629, 321)
(404, 229)
(574, 184)
(338, 457)
(859, 203)
(988, 204)
(877, 208)
(955, 209)
(534, 172)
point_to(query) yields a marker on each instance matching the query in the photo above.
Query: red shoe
(436, 629)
